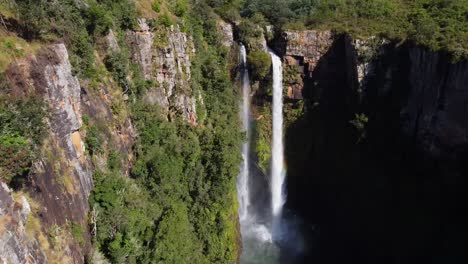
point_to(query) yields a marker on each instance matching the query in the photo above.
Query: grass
(6, 10)
(145, 8)
(77, 232)
(13, 47)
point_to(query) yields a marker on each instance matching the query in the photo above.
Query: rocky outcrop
(60, 181)
(141, 44)
(110, 42)
(310, 44)
(227, 33)
(15, 244)
(165, 59)
(366, 52)
(301, 51)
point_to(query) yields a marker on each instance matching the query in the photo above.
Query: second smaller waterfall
(243, 179)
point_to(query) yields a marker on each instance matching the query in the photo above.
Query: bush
(260, 64)
(181, 8)
(118, 64)
(156, 6)
(359, 122)
(15, 156)
(93, 141)
(78, 233)
(248, 32)
(165, 20)
(98, 20)
(21, 132)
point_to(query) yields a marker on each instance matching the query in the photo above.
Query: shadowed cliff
(394, 195)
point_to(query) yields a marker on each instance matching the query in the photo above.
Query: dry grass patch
(13, 47)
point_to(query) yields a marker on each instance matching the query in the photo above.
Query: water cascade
(277, 167)
(265, 234)
(243, 178)
(257, 246)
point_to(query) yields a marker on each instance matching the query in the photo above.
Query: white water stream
(278, 174)
(262, 228)
(243, 179)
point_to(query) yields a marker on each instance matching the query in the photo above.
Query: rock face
(120, 134)
(436, 110)
(110, 42)
(61, 179)
(227, 33)
(165, 59)
(383, 190)
(301, 51)
(141, 43)
(15, 245)
(309, 44)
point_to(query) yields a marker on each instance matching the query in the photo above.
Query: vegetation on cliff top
(437, 24)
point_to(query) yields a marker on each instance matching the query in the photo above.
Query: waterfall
(266, 234)
(277, 169)
(243, 178)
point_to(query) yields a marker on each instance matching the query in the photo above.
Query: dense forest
(176, 201)
(178, 205)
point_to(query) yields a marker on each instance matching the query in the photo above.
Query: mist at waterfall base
(270, 234)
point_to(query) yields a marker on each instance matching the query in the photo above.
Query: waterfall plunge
(250, 227)
(277, 169)
(266, 235)
(243, 179)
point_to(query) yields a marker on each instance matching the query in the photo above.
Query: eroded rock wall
(301, 51)
(60, 180)
(16, 246)
(165, 59)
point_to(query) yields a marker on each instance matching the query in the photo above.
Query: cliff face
(164, 57)
(301, 52)
(386, 192)
(48, 220)
(60, 181)
(16, 245)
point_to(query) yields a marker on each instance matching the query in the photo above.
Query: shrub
(156, 6)
(15, 156)
(165, 20)
(93, 141)
(21, 131)
(260, 64)
(248, 32)
(98, 20)
(359, 122)
(118, 64)
(181, 8)
(78, 233)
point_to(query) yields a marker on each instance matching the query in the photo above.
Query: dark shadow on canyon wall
(395, 196)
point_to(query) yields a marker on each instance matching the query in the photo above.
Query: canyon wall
(377, 159)
(48, 220)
